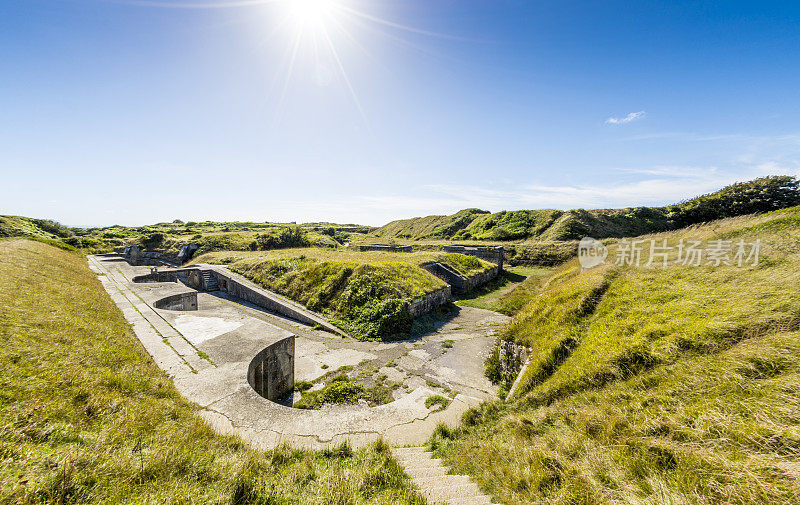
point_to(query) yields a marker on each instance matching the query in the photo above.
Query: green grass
(86, 416)
(715, 429)
(437, 402)
(652, 385)
(759, 195)
(340, 389)
(367, 294)
(509, 292)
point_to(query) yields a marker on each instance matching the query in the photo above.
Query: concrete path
(433, 480)
(207, 352)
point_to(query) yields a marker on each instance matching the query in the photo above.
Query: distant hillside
(18, 226)
(760, 195)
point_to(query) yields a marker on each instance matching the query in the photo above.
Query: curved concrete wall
(271, 373)
(168, 276)
(181, 301)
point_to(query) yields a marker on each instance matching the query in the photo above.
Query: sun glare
(310, 12)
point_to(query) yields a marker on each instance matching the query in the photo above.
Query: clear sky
(115, 112)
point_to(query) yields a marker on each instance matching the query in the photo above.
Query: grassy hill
(86, 416)
(18, 226)
(760, 195)
(368, 294)
(650, 384)
(220, 236)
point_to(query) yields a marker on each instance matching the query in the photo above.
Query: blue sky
(136, 112)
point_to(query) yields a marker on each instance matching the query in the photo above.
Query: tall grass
(652, 385)
(86, 416)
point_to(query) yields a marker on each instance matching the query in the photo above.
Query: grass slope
(85, 415)
(548, 225)
(653, 385)
(509, 292)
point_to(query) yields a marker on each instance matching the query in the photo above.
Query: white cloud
(633, 116)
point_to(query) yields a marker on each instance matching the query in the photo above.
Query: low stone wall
(181, 301)
(450, 276)
(137, 257)
(458, 282)
(492, 254)
(168, 276)
(385, 248)
(431, 301)
(476, 281)
(271, 372)
(514, 361)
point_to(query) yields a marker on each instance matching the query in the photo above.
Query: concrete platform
(207, 353)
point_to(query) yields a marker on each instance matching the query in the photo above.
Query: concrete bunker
(271, 372)
(182, 301)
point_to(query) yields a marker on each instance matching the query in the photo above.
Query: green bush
(336, 391)
(281, 238)
(53, 227)
(153, 241)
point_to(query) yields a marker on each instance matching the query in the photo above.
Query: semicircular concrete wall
(181, 301)
(271, 372)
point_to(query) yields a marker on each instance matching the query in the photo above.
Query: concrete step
(430, 463)
(447, 493)
(430, 477)
(417, 459)
(420, 472)
(472, 500)
(440, 481)
(404, 451)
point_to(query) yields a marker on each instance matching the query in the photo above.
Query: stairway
(434, 483)
(209, 281)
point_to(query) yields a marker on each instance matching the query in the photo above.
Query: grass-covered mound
(548, 225)
(367, 294)
(86, 416)
(652, 385)
(212, 236)
(341, 389)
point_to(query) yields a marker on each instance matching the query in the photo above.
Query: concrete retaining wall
(431, 301)
(181, 301)
(385, 248)
(271, 372)
(480, 279)
(238, 286)
(492, 254)
(458, 282)
(137, 257)
(168, 276)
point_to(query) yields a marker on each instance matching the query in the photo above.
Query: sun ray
(290, 70)
(192, 5)
(344, 76)
(397, 26)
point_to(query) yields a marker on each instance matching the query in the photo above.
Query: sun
(310, 12)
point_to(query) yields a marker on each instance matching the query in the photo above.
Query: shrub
(437, 401)
(153, 241)
(53, 227)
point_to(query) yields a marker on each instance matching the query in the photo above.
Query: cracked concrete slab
(207, 353)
